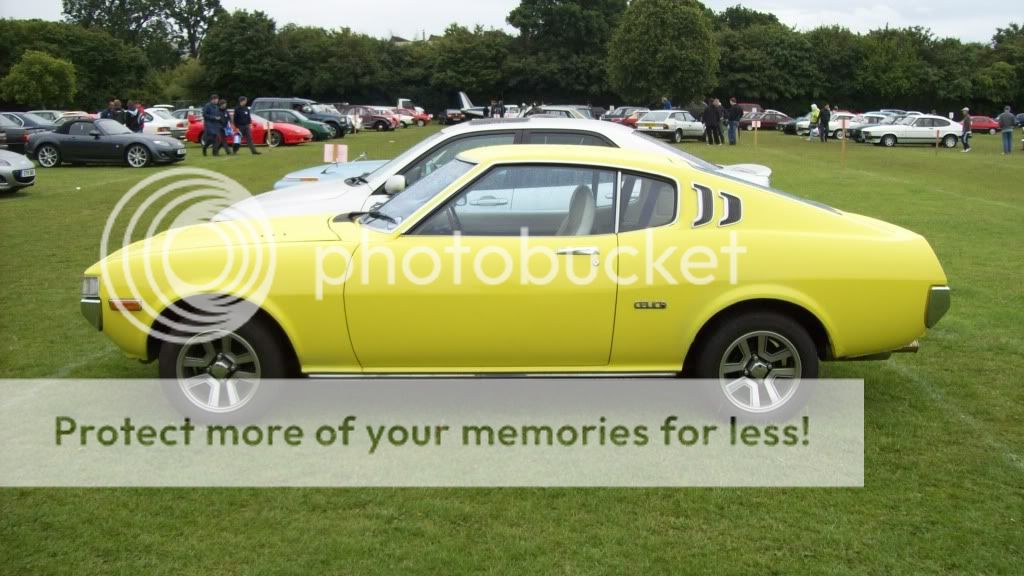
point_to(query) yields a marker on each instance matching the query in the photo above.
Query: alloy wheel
(760, 371)
(218, 371)
(48, 156)
(137, 157)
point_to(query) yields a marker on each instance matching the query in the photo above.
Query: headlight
(161, 143)
(90, 287)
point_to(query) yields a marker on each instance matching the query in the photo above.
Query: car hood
(339, 171)
(15, 161)
(332, 196)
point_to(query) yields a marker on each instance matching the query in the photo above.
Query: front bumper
(92, 309)
(938, 304)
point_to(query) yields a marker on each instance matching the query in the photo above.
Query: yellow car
(525, 260)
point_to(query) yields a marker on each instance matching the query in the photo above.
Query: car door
(80, 144)
(499, 301)
(922, 131)
(691, 127)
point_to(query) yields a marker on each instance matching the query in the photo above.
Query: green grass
(944, 454)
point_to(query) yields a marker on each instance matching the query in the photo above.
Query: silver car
(16, 171)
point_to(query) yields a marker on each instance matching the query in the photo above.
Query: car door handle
(489, 201)
(579, 251)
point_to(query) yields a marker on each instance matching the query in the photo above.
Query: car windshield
(655, 116)
(112, 127)
(402, 205)
(323, 108)
(907, 121)
(402, 159)
(160, 113)
(35, 119)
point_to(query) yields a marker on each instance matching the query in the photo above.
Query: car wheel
(991, 130)
(220, 376)
(888, 140)
(420, 123)
(48, 156)
(839, 135)
(759, 360)
(949, 141)
(275, 139)
(381, 126)
(137, 156)
(332, 131)
(677, 136)
(750, 128)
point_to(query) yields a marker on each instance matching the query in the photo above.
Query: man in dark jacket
(243, 122)
(823, 121)
(735, 115)
(712, 119)
(212, 128)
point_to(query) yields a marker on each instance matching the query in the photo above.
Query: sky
(411, 18)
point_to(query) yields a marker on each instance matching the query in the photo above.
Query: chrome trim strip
(433, 376)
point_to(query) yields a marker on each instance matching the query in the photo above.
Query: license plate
(28, 172)
(646, 125)
(181, 152)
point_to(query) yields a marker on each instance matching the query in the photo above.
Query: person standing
(118, 114)
(666, 104)
(132, 120)
(812, 121)
(824, 118)
(735, 115)
(965, 134)
(227, 132)
(108, 114)
(211, 125)
(501, 108)
(719, 120)
(1007, 123)
(243, 122)
(712, 120)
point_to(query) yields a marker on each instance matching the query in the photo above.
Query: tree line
(564, 51)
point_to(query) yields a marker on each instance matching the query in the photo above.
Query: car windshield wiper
(361, 179)
(372, 214)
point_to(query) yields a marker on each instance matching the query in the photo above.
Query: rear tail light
(24, 137)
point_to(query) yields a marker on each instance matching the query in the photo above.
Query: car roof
(610, 129)
(569, 153)
(287, 98)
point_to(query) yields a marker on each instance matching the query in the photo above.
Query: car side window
(938, 122)
(15, 119)
(647, 202)
(536, 200)
(447, 152)
(573, 138)
(80, 129)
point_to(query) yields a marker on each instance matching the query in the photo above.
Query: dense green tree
(191, 18)
(124, 19)
(104, 66)
(471, 60)
(242, 55)
(835, 53)
(765, 62)
(562, 46)
(184, 83)
(39, 79)
(663, 48)
(893, 71)
(739, 17)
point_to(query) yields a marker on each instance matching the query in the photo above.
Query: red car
(633, 117)
(287, 134)
(984, 124)
(418, 118)
(770, 120)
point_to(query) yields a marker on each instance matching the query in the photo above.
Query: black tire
(420, 123)
(838, 134)
(888, 140)
(381, 126)
(275, 139)
(273, 363)
(712, 355)
(52, 155)
(141, 151)
(677, 136)
(992, 131)
(949, 141)
(332, 130)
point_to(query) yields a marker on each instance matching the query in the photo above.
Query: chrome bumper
(92, 309)
(938, 305)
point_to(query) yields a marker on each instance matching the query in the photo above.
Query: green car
(319, 129)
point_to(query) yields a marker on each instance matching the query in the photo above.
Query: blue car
(324, 172)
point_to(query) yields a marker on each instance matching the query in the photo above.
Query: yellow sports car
(525, 260)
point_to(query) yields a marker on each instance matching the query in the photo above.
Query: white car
(363, 191)
(854, 128)
(557, 112)
(159, 121)
(16, 171)
(835, 124)
(672, 124)
(922, 129)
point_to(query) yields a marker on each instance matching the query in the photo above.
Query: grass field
(944, 456)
